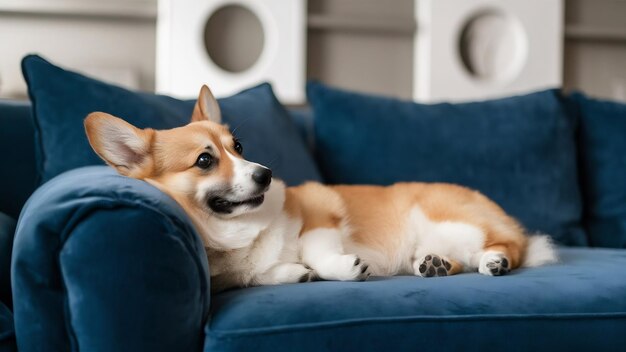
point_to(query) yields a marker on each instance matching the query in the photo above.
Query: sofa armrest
(102, 262)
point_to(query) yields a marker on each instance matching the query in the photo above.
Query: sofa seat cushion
(578, 303)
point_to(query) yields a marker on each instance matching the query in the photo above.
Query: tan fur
(171, 153)
(197, 114)
(97, 121)
(456, 267)
(316, 205)
(378, 215)
(292, 204)
(206, 108)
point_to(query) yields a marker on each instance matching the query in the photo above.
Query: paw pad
(434, 265)
(498, 266)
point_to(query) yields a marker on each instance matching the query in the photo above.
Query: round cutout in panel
(234, 38)
(493, 46)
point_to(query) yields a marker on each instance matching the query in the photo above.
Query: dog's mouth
(225, 206)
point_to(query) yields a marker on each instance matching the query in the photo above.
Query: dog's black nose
(262, 176)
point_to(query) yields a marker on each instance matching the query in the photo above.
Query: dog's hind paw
(494, 264)
(432, 265)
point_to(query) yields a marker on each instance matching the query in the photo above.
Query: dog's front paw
(494, 264)
(346, 267)
(356, 268)
(309, 276)
(431, 265)
(295, 272)
(286, 273)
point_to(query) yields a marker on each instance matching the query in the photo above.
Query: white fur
(486, 258)
(457, 240)
(242, 183)
(238, 232)
(322, 250)
(380, 264)
(252, 248)
(121, 146)
(540, 251)
(422, 236)
(282, 273)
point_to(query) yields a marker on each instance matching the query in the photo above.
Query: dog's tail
(539, 251)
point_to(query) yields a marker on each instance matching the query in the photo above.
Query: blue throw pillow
(602, 141)
(62, 99)
(519, 151)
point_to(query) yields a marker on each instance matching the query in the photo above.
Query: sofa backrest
(17, 137)
(18, 172)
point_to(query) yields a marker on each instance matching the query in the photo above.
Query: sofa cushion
(602, 141)
(7, 230)
(17, 143)
(7, 331)
(103, 262)
(576, 305)
(519, 151)
(61, 100)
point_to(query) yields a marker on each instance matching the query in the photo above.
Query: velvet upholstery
(576, 305)
(104, 262)
(303, 119)
(7, 331)
(602, 141)
(18, 173)
(7, 229)
(519, 151)
(62, 99)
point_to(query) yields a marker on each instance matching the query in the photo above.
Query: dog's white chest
(275, 244)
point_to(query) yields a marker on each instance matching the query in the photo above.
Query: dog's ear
(120, 144)
(206, 107)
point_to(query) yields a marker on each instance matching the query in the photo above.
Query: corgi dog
(258, 232)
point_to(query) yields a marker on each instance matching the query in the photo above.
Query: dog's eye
(204, 161)
(238, 147)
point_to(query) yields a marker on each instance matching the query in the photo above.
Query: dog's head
(200, 164)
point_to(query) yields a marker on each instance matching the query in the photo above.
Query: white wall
(367, 45)
(115, 42)
(364, 45)
(595, 49)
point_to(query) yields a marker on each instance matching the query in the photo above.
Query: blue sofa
(107, 263)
